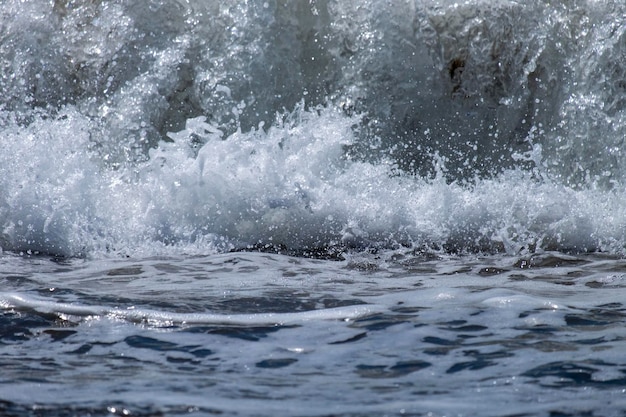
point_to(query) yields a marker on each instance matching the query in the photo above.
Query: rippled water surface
(265, 334)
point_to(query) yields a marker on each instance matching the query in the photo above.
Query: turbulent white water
(198, 127)
(312, 208)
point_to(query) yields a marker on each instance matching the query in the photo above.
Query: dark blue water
(260, 334)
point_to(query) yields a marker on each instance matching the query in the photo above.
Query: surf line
(154, 317)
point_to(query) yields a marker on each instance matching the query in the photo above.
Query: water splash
(146, 129)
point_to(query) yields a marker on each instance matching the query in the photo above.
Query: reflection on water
(536, 335)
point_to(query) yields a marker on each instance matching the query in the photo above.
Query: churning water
(312, 207)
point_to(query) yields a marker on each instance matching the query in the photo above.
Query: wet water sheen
(263, 334)
(370, 149)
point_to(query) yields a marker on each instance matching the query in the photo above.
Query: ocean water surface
(312, 208)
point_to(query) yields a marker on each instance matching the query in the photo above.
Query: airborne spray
(310, 127)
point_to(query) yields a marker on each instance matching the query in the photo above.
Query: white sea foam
(165, 318)
(290, 187)
(139, 131)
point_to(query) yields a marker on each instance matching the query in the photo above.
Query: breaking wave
(311, 127)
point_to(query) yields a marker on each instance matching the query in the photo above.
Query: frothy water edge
(292, 188)
(311, 128)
